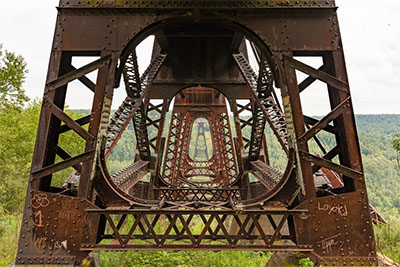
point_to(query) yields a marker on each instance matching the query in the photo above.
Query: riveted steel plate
(337, 226)
(206, 4)
(52, 229)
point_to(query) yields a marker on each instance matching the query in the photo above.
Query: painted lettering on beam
(339, 209)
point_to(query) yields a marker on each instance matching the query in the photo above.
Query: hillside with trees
(378, 134)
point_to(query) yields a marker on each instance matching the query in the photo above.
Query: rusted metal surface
(229, 187)
(332, 180)
(129, 176)
(53, 229)
(257, 230)
(200, 194)
(200, 105)
(267, 175)
(133, 107)
(207, 4)
(266, 108)
(345, 237)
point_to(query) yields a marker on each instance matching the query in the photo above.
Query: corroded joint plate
(206, 4)
(339, 227)
(348, 261)
(52, 229)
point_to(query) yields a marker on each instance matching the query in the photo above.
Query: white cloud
(27, 28)
(370, 34)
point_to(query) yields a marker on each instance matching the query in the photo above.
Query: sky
(370, 34)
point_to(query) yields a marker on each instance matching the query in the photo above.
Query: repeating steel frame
(58, 228)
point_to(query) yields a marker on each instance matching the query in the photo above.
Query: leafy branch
(396, 146)
(12, 76)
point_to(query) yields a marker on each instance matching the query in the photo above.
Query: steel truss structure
(221, 63)
(201, 105)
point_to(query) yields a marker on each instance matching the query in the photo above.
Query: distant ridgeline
(379, 158)
(380, 164)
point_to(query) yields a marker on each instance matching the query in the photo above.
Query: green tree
(17, 137)
(396, 146)
(17, 133)
(12, 76)
(17, 128)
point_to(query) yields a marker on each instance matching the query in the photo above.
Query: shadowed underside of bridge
(222, 75)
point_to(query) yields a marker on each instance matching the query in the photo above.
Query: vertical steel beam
(293, 109)
(47, 137)
(346, 136)
(101, 110)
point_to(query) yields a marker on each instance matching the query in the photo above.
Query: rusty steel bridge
(222, 74)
